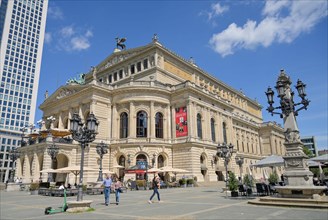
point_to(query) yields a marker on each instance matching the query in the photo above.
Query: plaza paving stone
(177, 203)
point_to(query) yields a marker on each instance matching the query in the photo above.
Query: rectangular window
(132, 69)
(138, 66)
(115, 76)
(120, 74)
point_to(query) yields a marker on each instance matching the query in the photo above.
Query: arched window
(121, 161)
(160, 161)
(199, 126)
(141, 124)
(159, 125)
(124, 125)
(224, 128)
(213, 129)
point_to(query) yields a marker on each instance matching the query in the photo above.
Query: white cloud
(88, 33)
(47, 37)
(216, 10)
(284, 21)
(80, 43)
(72, 38)
(55, 12)
(273, 7)
(67, 31)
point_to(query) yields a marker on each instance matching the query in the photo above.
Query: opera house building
(155, 107)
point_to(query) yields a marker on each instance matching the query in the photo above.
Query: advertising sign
(181, 122)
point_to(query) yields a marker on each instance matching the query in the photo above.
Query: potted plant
(273, 178)
(233, 184)
(249, 182)
(34, 188)
(182, 182)
(141, 184)
(190, 182)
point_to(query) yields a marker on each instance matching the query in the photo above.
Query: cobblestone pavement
(177, 203)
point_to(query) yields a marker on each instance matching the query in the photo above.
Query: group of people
(115, 184)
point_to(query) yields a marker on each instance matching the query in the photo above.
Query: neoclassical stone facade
(151, 103)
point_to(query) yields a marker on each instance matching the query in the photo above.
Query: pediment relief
(65, 92)
(119, 57)
(116, 59)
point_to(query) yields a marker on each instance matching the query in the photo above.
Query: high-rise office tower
(22, 28)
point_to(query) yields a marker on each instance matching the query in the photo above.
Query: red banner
(181, 122)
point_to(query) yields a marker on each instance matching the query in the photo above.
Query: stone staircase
(321, 203)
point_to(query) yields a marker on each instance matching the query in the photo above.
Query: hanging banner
(181, 122)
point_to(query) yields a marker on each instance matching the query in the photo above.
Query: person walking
(117, 187)
(107, 184)
(156, 186)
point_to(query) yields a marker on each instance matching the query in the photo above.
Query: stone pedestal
(297, 171)
(298, 177)
(78, 206)
(306, 192)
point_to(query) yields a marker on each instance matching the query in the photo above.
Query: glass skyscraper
(22, 28)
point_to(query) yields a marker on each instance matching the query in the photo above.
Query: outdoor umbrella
(155, 170)
(118, 166)
(48, 171)
(321, 158)
(75, 169)
(312, 163)
(270, 161)
(175, 171)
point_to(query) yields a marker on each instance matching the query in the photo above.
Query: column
(81, 112)
(69, 117)
(173, 126)
(167, 128)
(60, 120)
(152, 121)
(190, 119)
(115, 127)
(132, 127)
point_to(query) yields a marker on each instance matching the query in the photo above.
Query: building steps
(320, 203)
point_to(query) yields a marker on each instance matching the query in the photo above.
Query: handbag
(120, 190)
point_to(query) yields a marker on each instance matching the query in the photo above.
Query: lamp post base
(297, 171)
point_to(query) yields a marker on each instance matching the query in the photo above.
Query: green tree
(233, 182)
(307, 152)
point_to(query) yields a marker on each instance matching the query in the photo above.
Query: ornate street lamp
(240, 162)
(153, 160)
(84, 134)
(14, 155)
(286, 96)
(296, 169)
(225, 151)
(52, 151)
(101, 149)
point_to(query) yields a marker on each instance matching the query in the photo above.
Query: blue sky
(242, 43)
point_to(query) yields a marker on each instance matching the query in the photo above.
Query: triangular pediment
(121, 55)
(63, 92)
